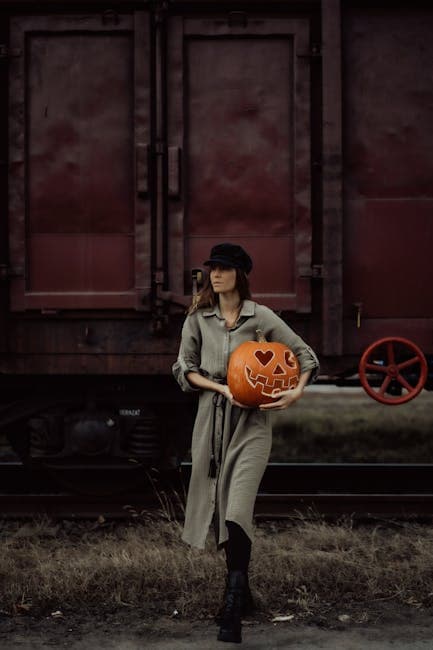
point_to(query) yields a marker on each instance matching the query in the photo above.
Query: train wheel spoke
(375, 368)
(390, 352)
(409, 362)
(385, 384)
(405, 383)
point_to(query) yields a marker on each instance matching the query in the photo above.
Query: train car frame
(134, 137)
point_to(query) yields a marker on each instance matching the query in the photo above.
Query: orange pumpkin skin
(258, 371)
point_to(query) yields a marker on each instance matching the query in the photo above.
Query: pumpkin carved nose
(278, 370)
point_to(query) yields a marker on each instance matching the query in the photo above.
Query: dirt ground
(379, 627)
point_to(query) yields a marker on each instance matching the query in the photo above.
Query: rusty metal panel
(389, 245)
(78, 263)
(81, 335)
(240, 107)
(74, 211)
(75, 133)
(239, 128)
(388, 149)
(418, 330)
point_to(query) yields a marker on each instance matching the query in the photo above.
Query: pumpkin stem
(260, 336)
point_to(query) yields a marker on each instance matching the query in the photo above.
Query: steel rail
(268, 506)
(361, 491)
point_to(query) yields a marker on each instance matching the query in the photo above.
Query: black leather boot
(248, 605)
(230, 621)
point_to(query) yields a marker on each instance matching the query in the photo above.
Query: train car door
(79, 217)
(239, 150)
(388, 200)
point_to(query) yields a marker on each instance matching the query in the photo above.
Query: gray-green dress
(239, 439)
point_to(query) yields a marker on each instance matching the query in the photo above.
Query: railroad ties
(287, 491)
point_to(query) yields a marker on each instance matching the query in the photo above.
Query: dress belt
(219, 401)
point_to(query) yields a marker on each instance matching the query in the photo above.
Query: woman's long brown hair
(208, 298)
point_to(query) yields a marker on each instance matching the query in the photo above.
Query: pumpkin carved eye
(290, 359)
(264, 356)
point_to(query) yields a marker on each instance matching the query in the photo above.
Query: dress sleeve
(275, 329)
(189, 356)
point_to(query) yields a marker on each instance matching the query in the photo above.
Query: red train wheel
(393, 365)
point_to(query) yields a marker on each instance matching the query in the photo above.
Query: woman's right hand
(198, 381)
(225, 390)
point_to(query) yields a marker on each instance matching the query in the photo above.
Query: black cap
(230, 255)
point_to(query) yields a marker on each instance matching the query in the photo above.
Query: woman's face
(222, 278)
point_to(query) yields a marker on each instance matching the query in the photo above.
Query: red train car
(134, 138)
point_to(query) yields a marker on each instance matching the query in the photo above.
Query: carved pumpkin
(259, 370)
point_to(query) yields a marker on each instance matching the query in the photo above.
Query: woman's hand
(198, 381)
(225, 390)
(283, 399)
(287, 397)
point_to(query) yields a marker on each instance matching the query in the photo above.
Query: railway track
(268, 506)
(362, 491)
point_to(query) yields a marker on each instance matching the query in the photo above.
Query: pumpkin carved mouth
(269, 387)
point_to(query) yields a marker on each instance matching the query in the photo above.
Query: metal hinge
(315, 272)
(7, 53)
(314, 53)
(159, 277)
(7, 272)
(110, 17)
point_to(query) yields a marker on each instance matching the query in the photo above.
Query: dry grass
(319, 564)
(304, 567)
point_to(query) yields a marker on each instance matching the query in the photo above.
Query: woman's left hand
(283, 399)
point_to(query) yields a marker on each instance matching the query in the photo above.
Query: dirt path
(413, 631)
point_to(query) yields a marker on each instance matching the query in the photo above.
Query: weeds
(301, 567)
(172, 503)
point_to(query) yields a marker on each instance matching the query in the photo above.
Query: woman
(230, 443)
